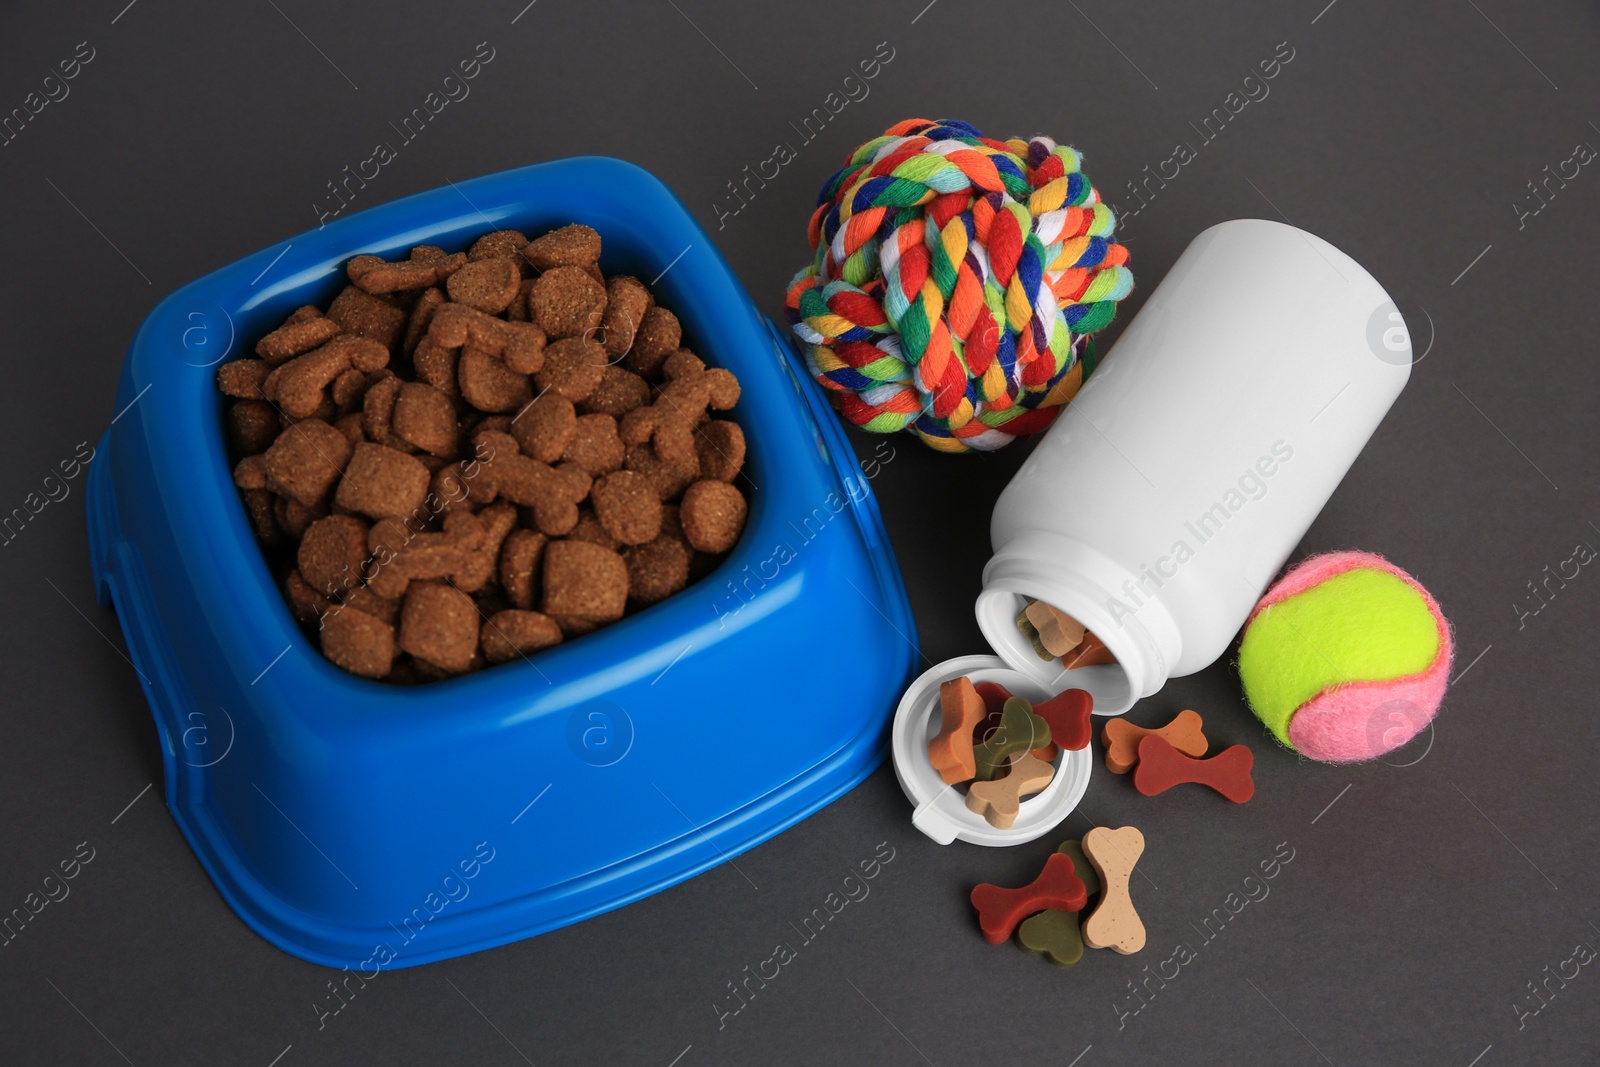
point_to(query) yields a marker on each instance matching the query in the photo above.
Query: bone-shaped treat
(994, 697)
(1090, 652)
(999, 801)
(1068, 715)
(1122, 739)
(1000, 910)
(1055, 934)
(1114, 923)
(1020, 729)
(1059, 632)
(960, 709)
(1161, 767)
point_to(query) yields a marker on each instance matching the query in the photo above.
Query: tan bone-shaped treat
(1059, 632)
(999, 801)
(1114, 923)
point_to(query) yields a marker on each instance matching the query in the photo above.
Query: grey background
(1417, 906)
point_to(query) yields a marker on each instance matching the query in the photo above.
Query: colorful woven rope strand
(956, 282)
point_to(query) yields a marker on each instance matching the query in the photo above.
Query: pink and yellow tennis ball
(1346, 657)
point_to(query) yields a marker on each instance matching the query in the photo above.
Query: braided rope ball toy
(955, 285)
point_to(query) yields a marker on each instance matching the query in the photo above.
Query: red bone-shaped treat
(1057, 887)
(1068, 715)
(1161, 767)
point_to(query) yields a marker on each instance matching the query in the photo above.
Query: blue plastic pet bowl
(366, 825)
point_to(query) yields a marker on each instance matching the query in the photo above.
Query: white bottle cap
(941, 810)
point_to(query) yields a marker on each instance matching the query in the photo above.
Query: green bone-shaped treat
(1055, 934)
(1019, 730)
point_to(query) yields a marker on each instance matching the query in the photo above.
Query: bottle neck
(1090, 587)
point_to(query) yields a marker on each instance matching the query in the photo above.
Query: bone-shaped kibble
(1059, 632)
(1161, 767)
(400, 556)
(999, 801)
(1019, 730)
(1055, 934)
(960, 709)
(1068, 715)
(1114, 924)
(553, 493)
(1122, 739)
(298, 386)
(426, 266)
(669, 422)
(1000, 910)
(519, 344)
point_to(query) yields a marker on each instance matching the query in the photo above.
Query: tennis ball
(1345, 658)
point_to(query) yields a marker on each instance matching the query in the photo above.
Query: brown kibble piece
(626, 302)
(720, 445)
(713, 515)
(595, 446)
(553, 493)
(626, 504)
(399, 556)
(584, 581)
(332, 553)
(571, 246)
(590, 530)
(489, 285)
(426, 266)
(305, 461)
(348, 389)
(439, 625)
(658, 336)
(242, 378)
(422, 313)
(519, 344)
(545, 429)
(295, 518)
(252, 426)
(489, 385)
(426, 418)
(520, 557)
(295, 337)
(567, 302)
(359, 312)
(509, 635)
(299, 387)
(358, 642)
(657, 569)
(377, 413)
(501, 244)
(382, 482)
(619, 392)
(250, 473)
(480, 567)
(436, 365)
(670, 479)
(573, 367)
(258, 508)
(350, 426)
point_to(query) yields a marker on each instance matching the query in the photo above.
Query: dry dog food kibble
(472, 456)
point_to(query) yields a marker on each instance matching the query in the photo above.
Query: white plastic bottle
(1174, 486)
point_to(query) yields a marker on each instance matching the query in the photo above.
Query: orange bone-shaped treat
(1122, 738)
(1161, 767)
(999, 801)
(960, 709)
(1000, 910)
(1114, 923)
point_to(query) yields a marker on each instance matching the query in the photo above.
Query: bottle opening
(998, 612)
